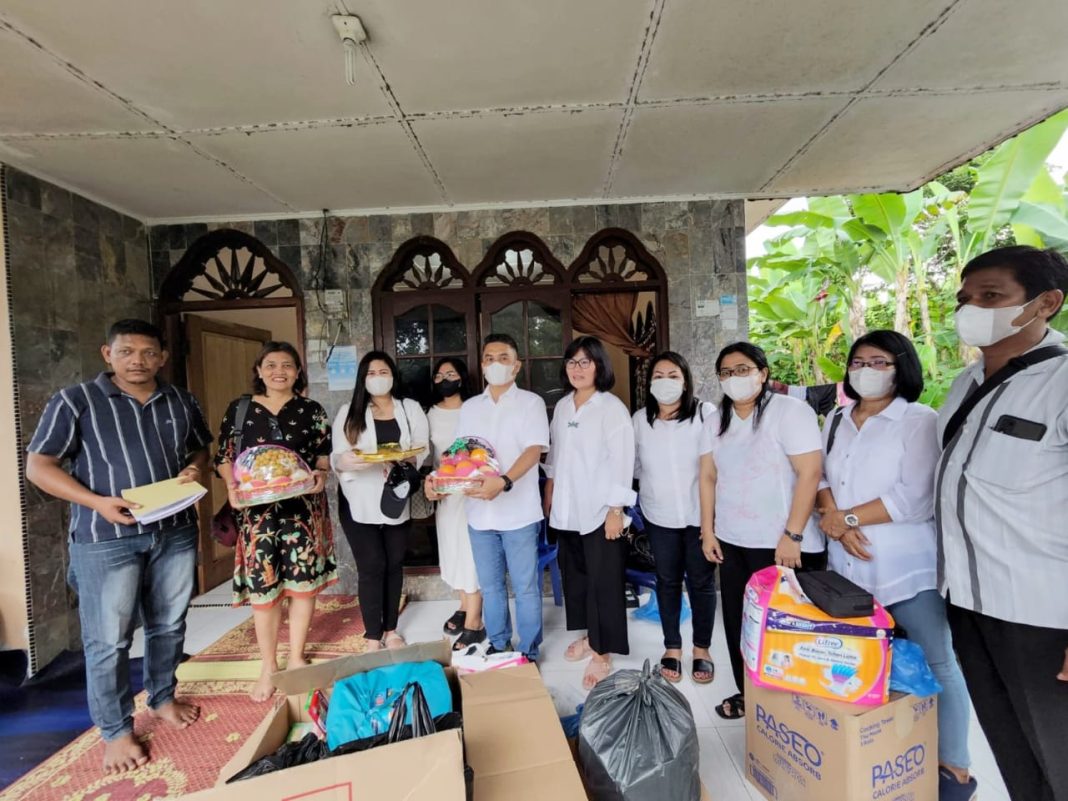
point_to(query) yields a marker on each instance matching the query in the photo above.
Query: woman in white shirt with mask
(877, 506)
(591, 469)
(677, 482)
(768, 463)
(376, 415)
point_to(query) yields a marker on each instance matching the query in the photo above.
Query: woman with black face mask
(451, 389)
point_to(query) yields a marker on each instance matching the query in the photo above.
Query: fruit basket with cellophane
(467, 462)
(270, 473)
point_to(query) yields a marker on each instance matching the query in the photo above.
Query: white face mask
(378, 384)
(666, 390)
(871, 383)
(741, 388)
(981, 327)
(498, 374)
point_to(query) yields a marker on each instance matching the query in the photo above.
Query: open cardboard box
(426, 769)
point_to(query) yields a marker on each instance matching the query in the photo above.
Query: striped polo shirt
(115, 443)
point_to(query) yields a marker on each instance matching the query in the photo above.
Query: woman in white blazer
(377, 415)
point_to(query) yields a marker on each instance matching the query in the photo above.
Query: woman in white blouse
(451, 389)
(767, 455)
(677, 481)
(877, 506)
(591, 469)
(377, 415)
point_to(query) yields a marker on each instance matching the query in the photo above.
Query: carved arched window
(228, 265)
(519, 259)
(615, 256)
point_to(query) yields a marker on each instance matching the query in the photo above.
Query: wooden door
(219, 369)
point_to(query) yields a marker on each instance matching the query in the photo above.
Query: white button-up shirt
(668, 466)
(1002, 499)
(515, 422)
(892, 458)
(591, 461)
(755, 478)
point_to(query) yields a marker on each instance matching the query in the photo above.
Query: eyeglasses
(878, 363)
(452, 375)
(742, 370)
(578, 364)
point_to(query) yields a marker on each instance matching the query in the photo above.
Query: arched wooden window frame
(238, 286)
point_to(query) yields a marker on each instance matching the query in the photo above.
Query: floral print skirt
(284, 549)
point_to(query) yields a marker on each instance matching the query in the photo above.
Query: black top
(301, 425)
(387, 431)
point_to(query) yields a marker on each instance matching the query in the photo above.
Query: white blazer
(363, 488)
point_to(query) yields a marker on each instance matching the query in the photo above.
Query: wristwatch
(851, 519)
(507, 483)
(794, 537)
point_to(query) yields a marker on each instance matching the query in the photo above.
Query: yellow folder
(163, 499)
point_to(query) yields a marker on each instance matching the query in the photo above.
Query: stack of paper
(162, 499)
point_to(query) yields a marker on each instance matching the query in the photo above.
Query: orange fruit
(446, 470)
(479, 455)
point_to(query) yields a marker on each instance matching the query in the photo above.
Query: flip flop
(703, 666)
(595, 671)
(394, 641)
(577, 654)
(732, 708)
(674, 665)
(469, 637)
(455, 623)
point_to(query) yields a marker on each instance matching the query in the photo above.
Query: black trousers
(379, 553)
(595, 576)
(738, 565)
(678, 553)
(1011, 672)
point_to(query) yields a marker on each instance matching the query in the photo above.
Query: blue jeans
(924, 620)
(153, 572)
(515, 553)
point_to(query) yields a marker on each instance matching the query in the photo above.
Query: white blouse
(892, 458)
(591, 461)
(363, 488)
(755, 479)
(667, 465)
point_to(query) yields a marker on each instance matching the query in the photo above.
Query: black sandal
(674, 665)
(455, 623)
(703, 666)
(469, 637)
(732, 708)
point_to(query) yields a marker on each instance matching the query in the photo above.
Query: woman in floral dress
(284, 549)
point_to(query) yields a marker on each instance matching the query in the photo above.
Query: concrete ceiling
(240, 108)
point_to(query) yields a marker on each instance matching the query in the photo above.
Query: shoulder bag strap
(836, 420)
(1014, 366)
(239, 422)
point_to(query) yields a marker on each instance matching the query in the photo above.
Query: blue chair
(547, 558)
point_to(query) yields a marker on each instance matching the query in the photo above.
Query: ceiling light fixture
(352, 33)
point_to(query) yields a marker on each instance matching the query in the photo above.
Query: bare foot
(263, 688)
(598, 668)
(178, 714)
(124, 754)
(578, 650)
(294, 662)
(394, 640)
(372, 645)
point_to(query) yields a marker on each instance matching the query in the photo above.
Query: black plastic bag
(450, 720)
(640, 552)
(308, 750)
(638, 740)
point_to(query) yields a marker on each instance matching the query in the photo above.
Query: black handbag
(223, 524)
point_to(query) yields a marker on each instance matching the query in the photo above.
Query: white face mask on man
(870, 383)
(741, 388)
(498, 374)
(378, 385)
(980, 327)
(666, 390)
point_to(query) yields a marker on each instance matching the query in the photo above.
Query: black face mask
(446, 389)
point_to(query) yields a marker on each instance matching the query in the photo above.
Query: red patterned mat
(337, 629)
(182, 761)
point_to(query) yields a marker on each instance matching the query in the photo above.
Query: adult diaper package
(788, 643)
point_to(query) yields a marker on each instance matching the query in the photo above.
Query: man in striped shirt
(121, 430)
(1001, 497)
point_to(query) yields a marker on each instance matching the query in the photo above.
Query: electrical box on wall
(334, 302)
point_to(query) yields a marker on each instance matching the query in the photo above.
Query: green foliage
(850, 264)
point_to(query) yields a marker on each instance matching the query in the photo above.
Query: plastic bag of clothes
(650, 610)
(638, 740)
(909, 671)
(310, 749)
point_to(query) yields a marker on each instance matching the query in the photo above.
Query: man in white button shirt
(1001, 499)
(504, 516)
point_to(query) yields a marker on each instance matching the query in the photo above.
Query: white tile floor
(722, 741)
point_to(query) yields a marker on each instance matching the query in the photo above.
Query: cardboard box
(515, 743)
(426, 769)
(802, 748)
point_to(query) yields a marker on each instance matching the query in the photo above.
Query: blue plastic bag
(651, 610)
(909, 671)
(571, 723)
(360, 706)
